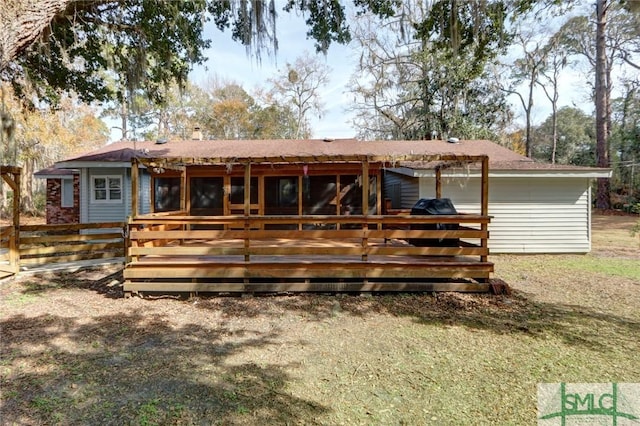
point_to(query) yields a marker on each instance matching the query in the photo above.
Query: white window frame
(108, 199)
(64, 192)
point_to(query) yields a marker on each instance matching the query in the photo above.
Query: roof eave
(92, 164)
(509, 173)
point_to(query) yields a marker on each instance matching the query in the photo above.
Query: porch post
(485, 203)
(365, 187)
(247, 210)
(485, 187)
(183, 193)
(12, 176)
(134, 187)
(438, 182)
(247, 189)
(365, 207)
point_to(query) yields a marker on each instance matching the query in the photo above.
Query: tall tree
(612, 41)
(299, 85)
(602, 97)
(625, 139)
(421, 73)
(42, 137)
(576, 139)
(555, 60)
(525, 72)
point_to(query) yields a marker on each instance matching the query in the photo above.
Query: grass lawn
(73, 353)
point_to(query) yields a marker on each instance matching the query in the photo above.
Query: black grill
(434, 206)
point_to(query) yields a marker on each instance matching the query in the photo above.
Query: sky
(229, 61)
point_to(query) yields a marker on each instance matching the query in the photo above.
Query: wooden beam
(178, 162)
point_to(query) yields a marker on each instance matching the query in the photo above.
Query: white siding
(530, 215)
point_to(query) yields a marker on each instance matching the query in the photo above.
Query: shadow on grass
(517, 313)
(136, 369)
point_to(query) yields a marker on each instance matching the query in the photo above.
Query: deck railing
(177, 251)
(152, 235)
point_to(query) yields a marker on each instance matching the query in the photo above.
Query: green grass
(628, 268)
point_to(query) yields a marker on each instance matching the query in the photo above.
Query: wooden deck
(316, 253)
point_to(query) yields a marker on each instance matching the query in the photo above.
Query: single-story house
(535, 208)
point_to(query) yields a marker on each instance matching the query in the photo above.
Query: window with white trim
(66, 193)
(106, 189)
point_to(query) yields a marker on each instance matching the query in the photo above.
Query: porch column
(484, 203)
(183, 193)
(11, 175)
(365, 206)
(438, 182)
(247, 189)
(247, 211)
(365, 187)
(134, 187)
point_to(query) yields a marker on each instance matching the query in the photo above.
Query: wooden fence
(44, 244)
(8, 252)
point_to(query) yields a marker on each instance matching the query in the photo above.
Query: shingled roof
(500, 158)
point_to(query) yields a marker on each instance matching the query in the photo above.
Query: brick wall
(55, 212)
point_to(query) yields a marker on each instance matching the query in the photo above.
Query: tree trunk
(22, 22)
(602, 104)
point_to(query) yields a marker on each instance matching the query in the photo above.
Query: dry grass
(74, 353)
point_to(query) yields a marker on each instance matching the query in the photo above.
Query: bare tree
(555, 59)
(298, 86)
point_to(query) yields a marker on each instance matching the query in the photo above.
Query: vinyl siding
(144, 192)
(530, 215)
(108, 212)
(409, 189)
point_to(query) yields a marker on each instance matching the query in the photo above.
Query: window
(167, 194)
(281, 195)
(106, 189)
(66, 193)
(207, 196)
